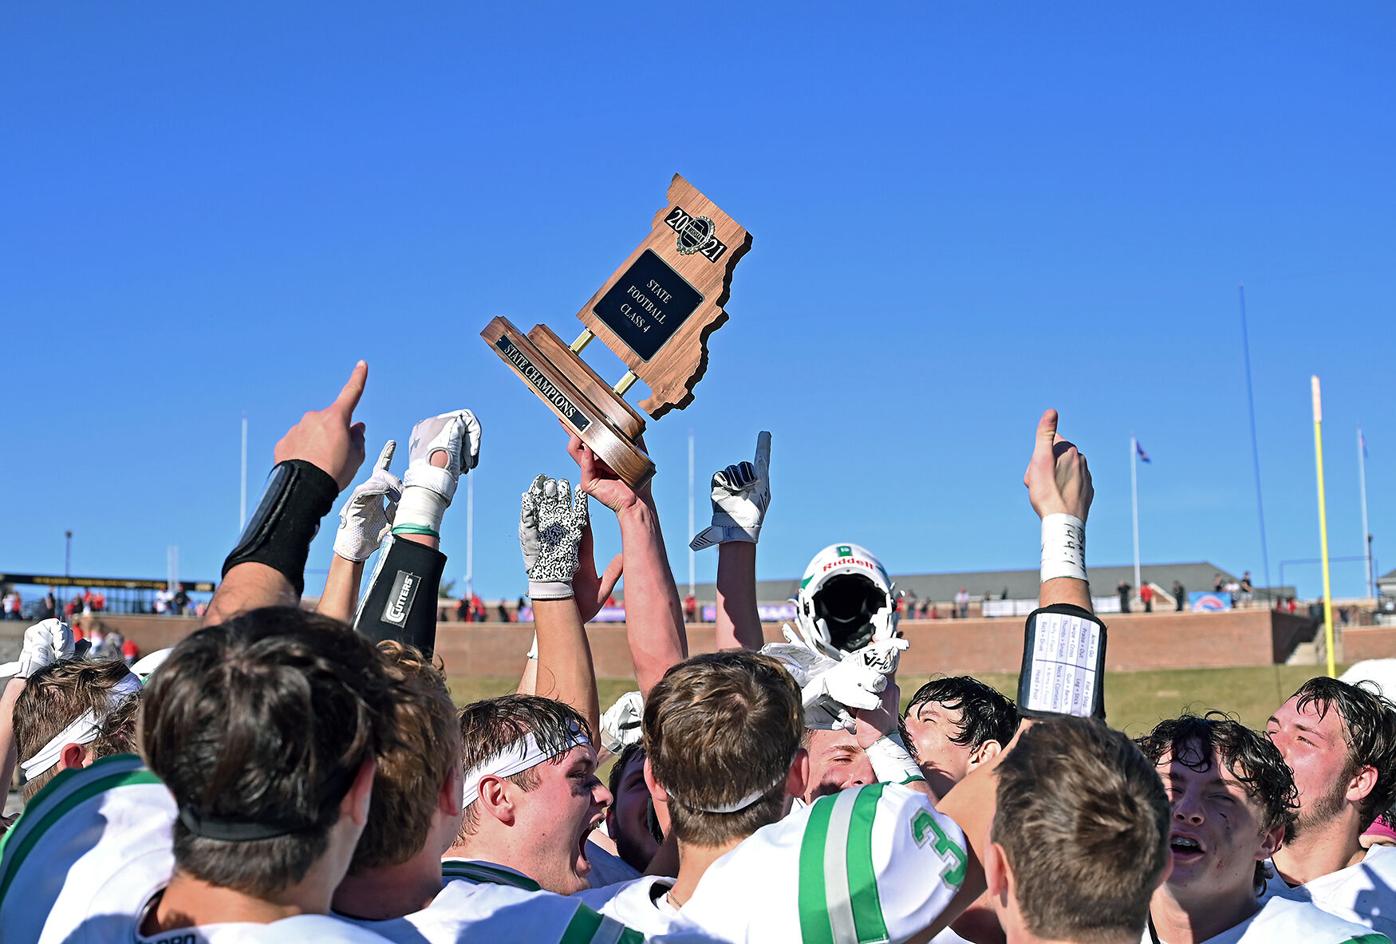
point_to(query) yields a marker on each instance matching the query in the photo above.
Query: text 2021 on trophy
(655, 312)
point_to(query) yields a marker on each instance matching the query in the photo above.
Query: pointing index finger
(348, 399)
(763, 452)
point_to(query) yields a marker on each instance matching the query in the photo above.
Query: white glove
(621, 724)
(426, 489)
(364, 520)
(810, 670)
(550, 532)
(741, 494)
(883, 655)
(44, 644)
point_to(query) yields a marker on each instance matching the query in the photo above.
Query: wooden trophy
(655, 312)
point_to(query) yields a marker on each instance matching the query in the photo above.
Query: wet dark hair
(986, 714)
(1248, 755)
(1369, 729)
(265, 719)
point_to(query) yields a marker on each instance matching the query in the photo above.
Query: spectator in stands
(690, 608)
(12, 605)
(503, 612)
(50, 609)
(1180, 595)
(463, 610)
(1291, 606)
(962, 603)
(1247, 588)
(1146, 596)
(1218, 583)
(1123, 588)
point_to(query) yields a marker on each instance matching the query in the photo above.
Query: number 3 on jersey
(923, 827)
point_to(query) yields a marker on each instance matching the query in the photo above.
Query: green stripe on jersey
(58, 797)
(1369, 939)
(814, 909)
(582, 928)
(862, 877)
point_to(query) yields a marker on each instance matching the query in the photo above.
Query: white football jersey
(639, 904)
(1282, 921)
(484, 901)
(873, 863)
(91, 854)
(483, 909)
(1364, 893)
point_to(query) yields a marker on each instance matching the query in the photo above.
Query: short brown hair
(413, 768)
(487, 726)
(60, 693)
(1080, 808)
(717, 728)
(264, 720)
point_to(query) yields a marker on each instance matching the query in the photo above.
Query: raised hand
(741, 493)
(603, 484)
(592, 590)
(442, 449)
(550, 535)
(46, 642)
(329, 439)
(1058, 480)
(368, 514)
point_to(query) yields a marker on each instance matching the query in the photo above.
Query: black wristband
(402, 596)
(1063, 670)
(297, 496)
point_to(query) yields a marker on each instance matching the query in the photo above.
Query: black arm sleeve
(401, 600)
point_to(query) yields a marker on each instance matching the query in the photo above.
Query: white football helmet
(846, 600)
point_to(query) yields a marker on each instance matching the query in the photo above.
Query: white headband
(515, 758)
(736, 805)
(81, 730)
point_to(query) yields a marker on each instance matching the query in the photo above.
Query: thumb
(610, 578)
(1046, 435)
(385, 458)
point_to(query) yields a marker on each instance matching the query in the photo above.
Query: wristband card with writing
(1063, 670)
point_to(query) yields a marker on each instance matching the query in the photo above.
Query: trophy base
(578, 397)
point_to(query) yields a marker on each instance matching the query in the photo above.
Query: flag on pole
(1143, 456)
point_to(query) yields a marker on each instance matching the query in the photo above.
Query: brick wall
(1368, 642)
(1136, 641)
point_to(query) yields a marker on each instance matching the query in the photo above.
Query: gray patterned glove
(550, 530)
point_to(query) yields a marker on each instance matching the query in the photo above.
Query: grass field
(1134, 701)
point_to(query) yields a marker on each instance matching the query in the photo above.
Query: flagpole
(1366, 534)
(1255, 446)
(1323, 528)
(1134, 502)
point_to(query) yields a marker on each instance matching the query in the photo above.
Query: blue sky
(961, 213)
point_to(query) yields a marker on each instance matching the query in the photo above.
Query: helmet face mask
(846, 600)
(846, 604)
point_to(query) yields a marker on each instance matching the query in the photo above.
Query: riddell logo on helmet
(855, 561)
